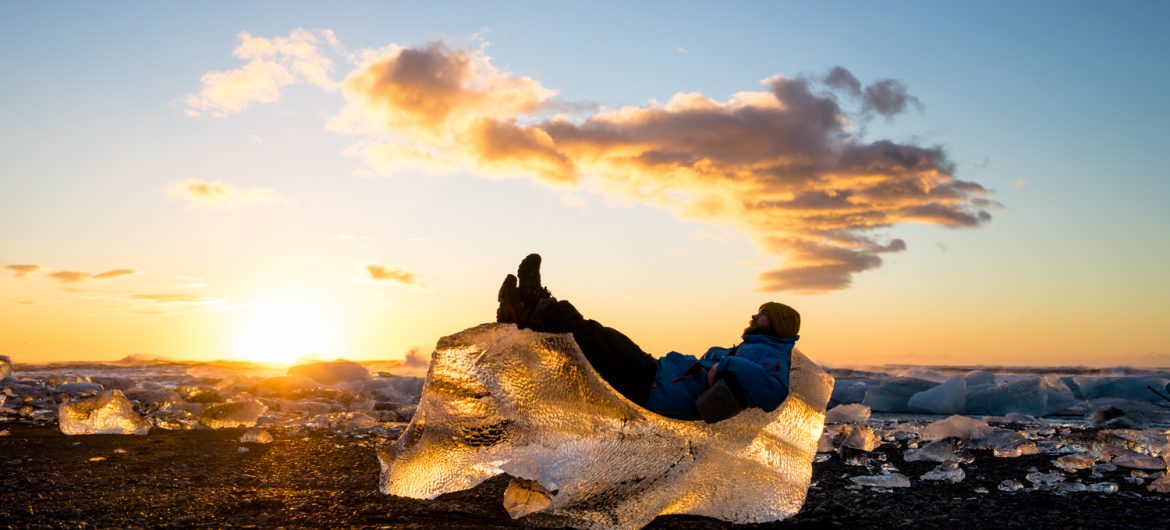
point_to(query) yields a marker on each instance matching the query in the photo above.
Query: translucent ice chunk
(947, 398)
(892, 480)
(256, 435)
(1162, 485)
(1074, 462)
(948, 471)
(851, 413)
(5, 366)
(1139, 461)
(233, 414)
(1011, 485)
(1113, 417)
(1025, 396)
(862, 438)
(81, 388)
(937, 451)
(892, 395)
(956, 427)
(107, 413)
(502, 400)
(523, 497)
(1045, 479)
(1103, 487)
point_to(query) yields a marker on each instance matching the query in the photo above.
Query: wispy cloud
(69, 276)
(219, 194)
(21, 271)
(786, 164)
(271, 65)
(184, 298)
(114, 274)
(381, 273)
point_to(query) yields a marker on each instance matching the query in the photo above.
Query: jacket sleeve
(767, 388)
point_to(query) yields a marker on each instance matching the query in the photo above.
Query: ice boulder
(501, 400)
(1027, 396)
(947, 398)
(956, 427)
(331, 372)
(851, 413)
(242, 413)
(107, 413)
(892, 395)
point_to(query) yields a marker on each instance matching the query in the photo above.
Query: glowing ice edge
(502, 400)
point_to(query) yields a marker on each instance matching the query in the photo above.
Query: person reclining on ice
(717, 386)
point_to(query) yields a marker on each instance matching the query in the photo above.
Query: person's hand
(711, 375)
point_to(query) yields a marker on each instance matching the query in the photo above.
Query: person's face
(759, 323)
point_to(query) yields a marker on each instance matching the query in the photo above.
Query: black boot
(510, 305)
(531, 292)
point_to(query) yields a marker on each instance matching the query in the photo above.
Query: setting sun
(282, 332)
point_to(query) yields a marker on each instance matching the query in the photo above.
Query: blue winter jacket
(761, 364)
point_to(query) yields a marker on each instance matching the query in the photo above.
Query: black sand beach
(200, 479)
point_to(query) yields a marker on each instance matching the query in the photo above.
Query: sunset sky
(926, 183)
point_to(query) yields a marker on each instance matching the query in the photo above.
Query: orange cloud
(392, 274)
(783, 165)
(787, 165)
(218, 193)
(114, 274)
(21, 271)
(272, 65)
(69, 276)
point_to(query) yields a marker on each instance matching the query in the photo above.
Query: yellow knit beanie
(785, 320)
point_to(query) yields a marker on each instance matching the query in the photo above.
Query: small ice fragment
(947, 398)
(1113, 417)
(862, 438)
(1016, 417)
(1162, 485)
(851, 413)
(256, 435)
(936, 451)
(97, 459)
(1139, 474)
(107, 413)
(956, 427)
(5, 432)
(822, 457)
(1103, 487)
(948, 471)
(1071, 487)
(523, 497)
(893, 480)
(233, 414)
(1045, 479)
(241, 449)
(1104, 468)
(1138, 461)
(79, 388)
(1135, 480)
(119, 451)
(1074, 462)
(5, 366)
(982, 490)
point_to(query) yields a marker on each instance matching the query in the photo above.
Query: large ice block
(502, 400)
(107, 413)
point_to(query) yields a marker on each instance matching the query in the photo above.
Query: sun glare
(283, 332)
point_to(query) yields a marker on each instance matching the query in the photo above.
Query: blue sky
(1058, 107)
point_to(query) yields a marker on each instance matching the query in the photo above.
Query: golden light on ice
(281, 332)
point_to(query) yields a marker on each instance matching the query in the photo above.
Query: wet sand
(192, 479)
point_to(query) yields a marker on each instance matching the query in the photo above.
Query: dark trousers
(622, 364)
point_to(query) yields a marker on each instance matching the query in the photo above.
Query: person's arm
(765, 387)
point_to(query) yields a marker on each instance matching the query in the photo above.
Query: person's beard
(754, 329)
